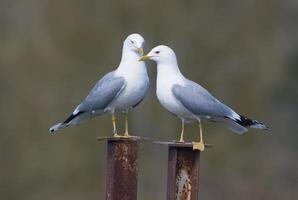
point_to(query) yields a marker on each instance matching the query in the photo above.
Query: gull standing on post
(188, 100)
(119, 90)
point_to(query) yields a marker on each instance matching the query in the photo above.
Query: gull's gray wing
(100, 96)
(199, 101)
(103, 93)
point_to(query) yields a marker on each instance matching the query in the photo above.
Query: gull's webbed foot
(179, 141)
(198, 146)
(127, 135)
(117, 135)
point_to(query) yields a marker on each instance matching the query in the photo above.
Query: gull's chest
(135, 84)
(164, 93)
(167, 99)
(135, 90)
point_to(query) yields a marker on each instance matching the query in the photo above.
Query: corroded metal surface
(122, 169)
(183, 173)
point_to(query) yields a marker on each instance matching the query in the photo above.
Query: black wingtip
(246, 122)
(50, 130)
(72, 116)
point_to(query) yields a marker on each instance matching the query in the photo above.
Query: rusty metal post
(183, 172)
(122, 169)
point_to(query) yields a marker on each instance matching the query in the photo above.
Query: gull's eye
(132, 42)
(157, 52)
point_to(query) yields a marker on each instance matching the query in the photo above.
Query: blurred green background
(52, 52)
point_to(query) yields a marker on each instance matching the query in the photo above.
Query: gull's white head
(134, 43)
(161, 54)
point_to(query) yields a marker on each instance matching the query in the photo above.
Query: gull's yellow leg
(182, 131)
(199, 145)
(126, 134)
(114, 126)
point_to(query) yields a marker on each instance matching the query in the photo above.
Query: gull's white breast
(165, 82)
(137, 83)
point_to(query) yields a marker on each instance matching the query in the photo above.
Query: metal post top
(137, 139)
(115, 139)
(179, 144)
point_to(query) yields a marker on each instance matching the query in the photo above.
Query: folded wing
(101, 95)
(200, 102)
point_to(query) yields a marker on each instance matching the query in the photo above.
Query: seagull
(119, 90)
(189, 101)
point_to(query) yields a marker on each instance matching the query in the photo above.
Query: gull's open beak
(143, 58)
(141, 51)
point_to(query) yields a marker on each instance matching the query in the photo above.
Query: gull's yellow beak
(143, 58)
(141, 51)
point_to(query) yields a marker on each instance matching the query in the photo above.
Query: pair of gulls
(125, 87)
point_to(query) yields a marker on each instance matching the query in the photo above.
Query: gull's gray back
(199, 101)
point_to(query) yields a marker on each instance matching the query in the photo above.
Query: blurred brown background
(52, 52)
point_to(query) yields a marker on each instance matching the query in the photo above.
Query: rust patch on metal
(183, 173)
(122, 169)
(183, 185)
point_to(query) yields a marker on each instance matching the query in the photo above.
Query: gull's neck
(130, 64)
(169, 70)
(128, 55)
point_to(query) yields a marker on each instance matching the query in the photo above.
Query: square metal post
(183, 172)
(122, 169)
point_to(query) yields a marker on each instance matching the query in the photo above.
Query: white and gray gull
(188, 100)
(119, 90)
